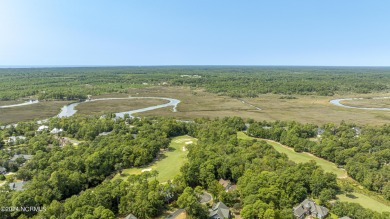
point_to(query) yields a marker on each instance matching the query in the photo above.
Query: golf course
(169, 162)
(365, 200)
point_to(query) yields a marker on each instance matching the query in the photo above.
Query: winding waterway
(69, 110)
(20, 104)
(336, 102)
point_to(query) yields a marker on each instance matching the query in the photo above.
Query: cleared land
(41, 110)
(301, 157)
(168, 166)
(370, 103)
(105, 106)
(374, 203)
(364, 201)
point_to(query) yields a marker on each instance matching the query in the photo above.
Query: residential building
(14, 139)
(227, 185)
(17, 186)
(56, 131)
(24, 156)
(310, 208)
(3, 170)
(130, 216)
(219, 211)
(42, 128)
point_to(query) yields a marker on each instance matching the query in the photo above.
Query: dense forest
(77, 83)
(75, 181)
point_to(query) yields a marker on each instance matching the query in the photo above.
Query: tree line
(77, 83)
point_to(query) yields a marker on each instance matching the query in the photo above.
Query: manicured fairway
(169, 166)
(364, 201)
(359, 198)
(302, 157)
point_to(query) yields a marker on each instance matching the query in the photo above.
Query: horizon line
(192, 65)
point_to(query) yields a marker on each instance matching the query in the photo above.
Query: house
(42, 128)
(357, 131)
(219, 211)
(227, 185)
(3, 170)
(310, 208)
(14, 139)
(320, 131)
(104, 133)
(24, 156)
(17, 186)
(130, 216)
(56, 131)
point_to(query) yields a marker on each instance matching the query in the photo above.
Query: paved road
(175, 214)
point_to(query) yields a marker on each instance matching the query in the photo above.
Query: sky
(201, 32)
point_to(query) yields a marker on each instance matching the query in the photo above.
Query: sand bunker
(146, 170)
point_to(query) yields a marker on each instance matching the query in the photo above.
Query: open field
(301, 157)
(11, 102)
(105, 106)
(306, 109)
(169, 164)
(196, 103)
(370, 103)
(364, 201)
(41, 110)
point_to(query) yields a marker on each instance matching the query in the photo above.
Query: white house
(14, 139)
(42, 128)
(56, 131)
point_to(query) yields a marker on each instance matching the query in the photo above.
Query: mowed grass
(301, 157)
(41, 110)
(104, 106)
(364, 201)
(172, 160)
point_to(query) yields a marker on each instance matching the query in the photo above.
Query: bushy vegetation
(77, 83)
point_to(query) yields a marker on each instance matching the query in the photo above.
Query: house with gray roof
(17, 186)
(3, 170)
(131, 216)
(24, 156)
(219, 211)
(320, 131)
(310, 208)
